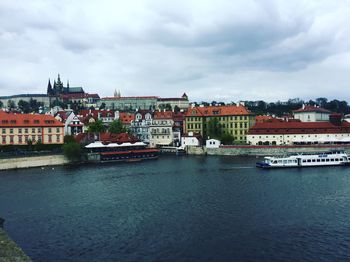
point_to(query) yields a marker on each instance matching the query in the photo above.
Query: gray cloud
(227, 50)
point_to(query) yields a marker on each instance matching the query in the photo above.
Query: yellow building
(233, 120)
(18, 129)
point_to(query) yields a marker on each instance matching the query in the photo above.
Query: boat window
(327, 160)
(285, 161)
(309, 160)
(323, 160)
(337, 159)
(318, 160)
(313, 160)
(279, 161)
(304, 160)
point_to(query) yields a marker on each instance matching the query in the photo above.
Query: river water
(189, 208)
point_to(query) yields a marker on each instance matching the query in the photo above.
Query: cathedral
(58, 89)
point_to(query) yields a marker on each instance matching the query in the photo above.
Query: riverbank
(264, 150)
(9, 251)
(33, 161)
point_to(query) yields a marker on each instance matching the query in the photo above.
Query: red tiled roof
(94, 113)
(117, 138)
(28, 120)
(163, 115)
(173, 99)
(78, 95)
(259, 119)
(299, 128)
(218, 111)
(312, 109)
(126, 118)
(129, 97)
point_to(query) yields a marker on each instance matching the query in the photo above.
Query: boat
(329, 158)
(119, 148)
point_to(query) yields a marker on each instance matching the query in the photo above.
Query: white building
(139, 127)
(190, 140)
(311, 114)
(289, 133)
(212, 143)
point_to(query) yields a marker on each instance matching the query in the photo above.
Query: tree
(213, 128)
(227, 139)
(24, 106)
(11, 104)
(103, 106)
(96, 127)
(1, 104)
(116, 127)
(68, 139)
(72, 151)
(34, 105)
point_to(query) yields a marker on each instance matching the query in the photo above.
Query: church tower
(49, 89)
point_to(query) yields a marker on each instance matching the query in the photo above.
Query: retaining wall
(34, 161)
(272, 150)
(9, 251)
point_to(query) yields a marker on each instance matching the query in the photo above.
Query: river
(188, 208)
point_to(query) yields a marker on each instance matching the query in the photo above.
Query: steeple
(49, 88)
(67, 86)
(115, 93)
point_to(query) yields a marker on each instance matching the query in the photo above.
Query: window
(4, 131)
(49, 130)
(50, 138)
(19, 130)
(58, 138)
(11, 130)
(39, 130)
(20, 139)
(4, 139)
(33, 130)
(26, 130)
(57, 130)
(11, 139)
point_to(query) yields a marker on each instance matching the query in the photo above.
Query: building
(58, 88)
(212, 143)
(139, 127)
(233, 120)
(172, 103)
(190, 139)
(289, 133)
(161, 129)
(72, 124)
(19, 129)
(311, 114)
(130, 103)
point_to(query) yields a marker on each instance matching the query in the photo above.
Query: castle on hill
(58, 89)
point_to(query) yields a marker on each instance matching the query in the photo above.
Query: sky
(222, 50)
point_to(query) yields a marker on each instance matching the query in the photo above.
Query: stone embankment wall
(9, 251)
(264, 150)
(35, 161)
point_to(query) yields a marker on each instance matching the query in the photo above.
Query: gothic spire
(49, 88)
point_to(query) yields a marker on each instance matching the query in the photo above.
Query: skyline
(224, 51)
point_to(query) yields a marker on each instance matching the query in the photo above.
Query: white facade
(161, 132)
(312, 116)
(140, 126)
(290, 139)
(189, 141)
(212, 143)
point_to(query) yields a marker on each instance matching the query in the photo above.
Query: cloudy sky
(223, 50)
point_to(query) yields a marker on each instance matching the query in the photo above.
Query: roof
(163, 115)
(312, 109)
(94, 113)
(129, 97)
(118, 138)
(218, 111)
(263, 118)
(126, 118)
(78, 95)
(299, 128)
(28, 120)
(172, 99)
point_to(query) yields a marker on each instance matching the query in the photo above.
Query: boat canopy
(99, 144)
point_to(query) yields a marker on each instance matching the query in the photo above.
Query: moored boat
(329, 158)
(120, 148)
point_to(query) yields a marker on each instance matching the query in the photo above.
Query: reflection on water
(179, 208)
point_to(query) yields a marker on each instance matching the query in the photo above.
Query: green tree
(213, 128)
(116, 127)
(24, 106)
(96, 127)
(68, 139)
(103, 106)
(72, 151)
(11, 104)
(227, 139)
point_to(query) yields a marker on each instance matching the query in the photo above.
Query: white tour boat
(329, 158)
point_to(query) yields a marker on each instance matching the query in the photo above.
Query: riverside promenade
(9, 251)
